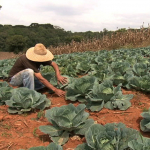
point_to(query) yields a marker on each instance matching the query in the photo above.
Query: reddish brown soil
(21, 131)
(7, 55)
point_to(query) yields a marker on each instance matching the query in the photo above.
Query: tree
(16, 43)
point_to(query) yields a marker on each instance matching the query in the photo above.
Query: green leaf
(95, 106)
(51, 130)
(82, 128)
(92, 133)
(51, 146)
(83, 147)
(143, 126)
(61, 139)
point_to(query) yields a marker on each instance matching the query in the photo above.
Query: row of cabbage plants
(96, 95)
(127, 66)
(69, 120)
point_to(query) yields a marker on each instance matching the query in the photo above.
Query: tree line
(19, 38)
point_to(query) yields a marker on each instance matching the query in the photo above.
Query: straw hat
(39, 53)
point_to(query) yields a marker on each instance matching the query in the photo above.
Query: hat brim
(38, 58)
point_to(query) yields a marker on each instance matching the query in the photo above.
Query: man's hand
(61, 79)
(60, 93)
(50, 86)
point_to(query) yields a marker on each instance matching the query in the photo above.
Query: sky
(77, 15)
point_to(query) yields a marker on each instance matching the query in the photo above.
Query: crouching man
(26, 70)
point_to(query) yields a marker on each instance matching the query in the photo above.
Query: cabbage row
(70, 120)
(130, 67)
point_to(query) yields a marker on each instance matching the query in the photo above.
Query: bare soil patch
(8, 55)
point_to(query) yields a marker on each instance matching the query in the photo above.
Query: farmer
(26, 70)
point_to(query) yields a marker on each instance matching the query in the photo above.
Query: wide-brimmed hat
(39, 53)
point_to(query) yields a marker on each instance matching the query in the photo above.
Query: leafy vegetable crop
(5, 92)
(51, 146)
(24, 100)
(66, 120)
(79, 88)
(112, 136)
(141, 143)
(145, 122)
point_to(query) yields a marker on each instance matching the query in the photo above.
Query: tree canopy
(19, 37)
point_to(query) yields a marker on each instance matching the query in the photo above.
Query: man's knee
(28, 72)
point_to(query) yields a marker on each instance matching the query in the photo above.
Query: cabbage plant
(112, 136)
(101, 66)
(108, 96)
(24, 100)
(51, 146)
(141, 143)
(119, 101)
(4, 84)
(145, 122)
(140, 83)
(102, 75)
(100, 94)
(66, 120)
(4, 71)
(69, 70)
(124, 79)
(140, 69)
(79, 88)
(132, 60)
(83, 67)
(51, 77)
(5, 92)
(120, 67)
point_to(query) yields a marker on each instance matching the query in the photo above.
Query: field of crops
(106, 105)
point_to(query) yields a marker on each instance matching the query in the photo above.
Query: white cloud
(79, 15)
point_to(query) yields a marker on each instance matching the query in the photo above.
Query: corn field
(132, 38)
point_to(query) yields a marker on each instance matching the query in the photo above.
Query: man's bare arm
(49, 85)
(60, 78)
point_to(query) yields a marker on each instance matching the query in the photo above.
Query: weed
(145, 109)
(140, 103)
(24, 114)
(34, 132)
(40, 114)
(5, 134)
(5, 126)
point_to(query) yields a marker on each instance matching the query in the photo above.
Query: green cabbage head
(24, 100)
(66, 120)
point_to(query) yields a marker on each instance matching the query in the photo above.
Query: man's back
(24, 63)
